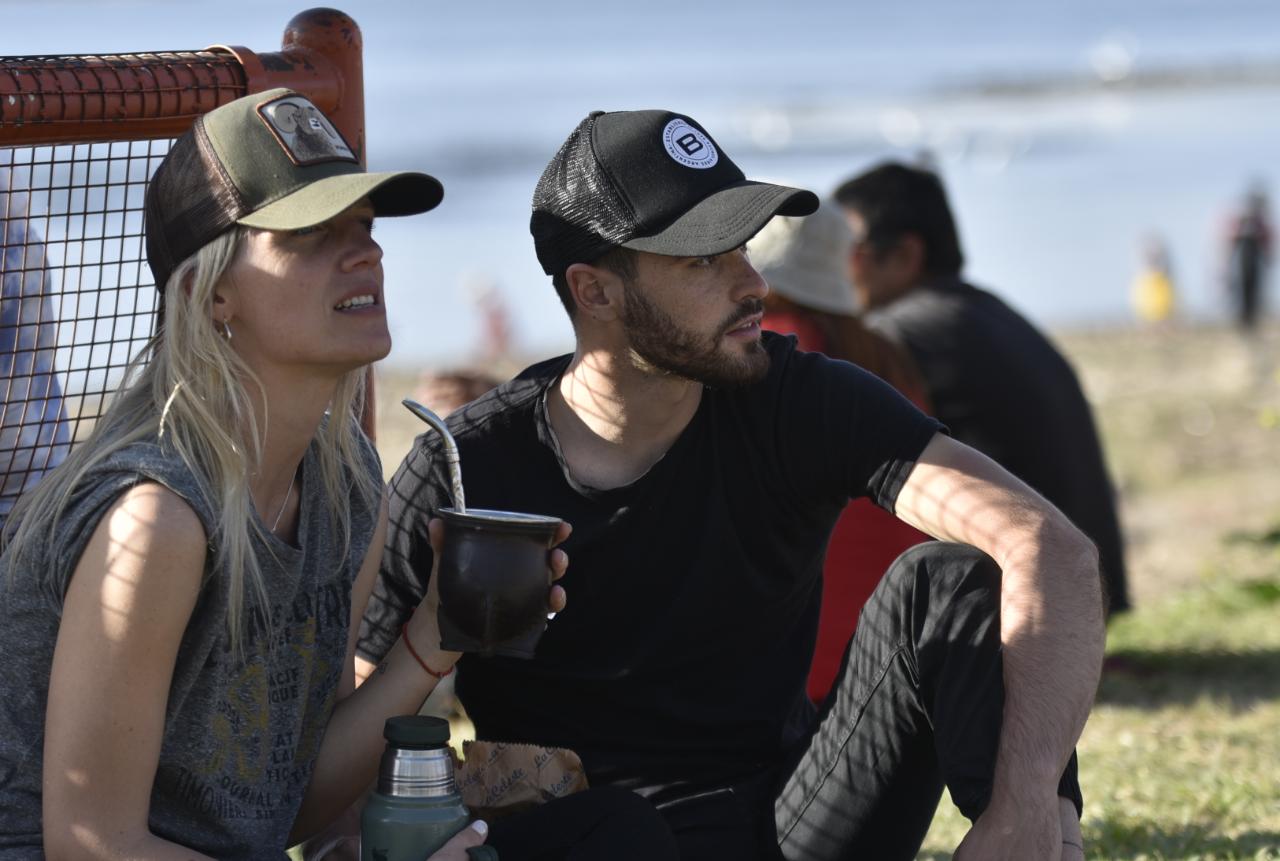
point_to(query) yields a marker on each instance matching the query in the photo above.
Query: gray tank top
(240, 734)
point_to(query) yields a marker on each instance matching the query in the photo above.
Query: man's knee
(943, 567)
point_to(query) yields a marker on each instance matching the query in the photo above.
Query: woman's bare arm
(123, 618)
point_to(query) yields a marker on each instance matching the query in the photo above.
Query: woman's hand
(456, 848)
(424, 627)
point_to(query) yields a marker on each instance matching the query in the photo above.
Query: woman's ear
(595, 290)
(221, 311)
(223, 298)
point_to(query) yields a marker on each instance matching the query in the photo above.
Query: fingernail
(481, 827)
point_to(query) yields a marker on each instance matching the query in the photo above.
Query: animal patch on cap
(304, 133)
(689, 146)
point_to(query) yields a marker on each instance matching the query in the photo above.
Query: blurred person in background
(497, 337)
(35, 435)
(1248, 258)
(993, 379)
(442, 392)
(804, 261)
(1153, 295)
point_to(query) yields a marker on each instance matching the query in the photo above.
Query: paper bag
(497, 779)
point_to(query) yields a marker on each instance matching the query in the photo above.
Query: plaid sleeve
(406, 560)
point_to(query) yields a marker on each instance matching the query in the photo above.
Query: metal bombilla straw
(450, 450)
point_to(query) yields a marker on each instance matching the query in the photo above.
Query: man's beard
(664, 345)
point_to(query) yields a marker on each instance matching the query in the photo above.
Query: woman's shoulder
(153, 461)
(151, 507)
(137, 493)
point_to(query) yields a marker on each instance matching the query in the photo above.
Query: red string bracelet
(404, 635)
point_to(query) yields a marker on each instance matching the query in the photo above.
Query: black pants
(917, 705)
(604, 824)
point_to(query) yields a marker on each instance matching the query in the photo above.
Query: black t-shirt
(681, 659)
(1002, 388)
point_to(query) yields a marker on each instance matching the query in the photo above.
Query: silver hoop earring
(226, 330)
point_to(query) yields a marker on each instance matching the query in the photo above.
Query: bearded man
(703, 463)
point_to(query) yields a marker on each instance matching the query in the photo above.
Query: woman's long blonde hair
(190, 390)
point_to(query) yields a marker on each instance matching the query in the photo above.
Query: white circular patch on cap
(689, 146)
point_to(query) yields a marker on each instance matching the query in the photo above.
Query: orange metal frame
(57, 100)
(49, 100)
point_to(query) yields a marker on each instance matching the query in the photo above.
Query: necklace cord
(288, 493)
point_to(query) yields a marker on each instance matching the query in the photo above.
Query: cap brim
(398, 193)
(726, 219)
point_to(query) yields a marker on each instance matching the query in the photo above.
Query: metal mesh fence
(78, 300)
(80, 136)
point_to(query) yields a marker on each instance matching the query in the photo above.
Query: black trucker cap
(270, 160)
(651, 181)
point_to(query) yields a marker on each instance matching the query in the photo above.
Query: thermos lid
(416, 731)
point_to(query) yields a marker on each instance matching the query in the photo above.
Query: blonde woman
(179, 600)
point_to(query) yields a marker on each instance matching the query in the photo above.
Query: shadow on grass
(1265, 538)
(1154, 679)
(1122, 839)
(1128, 838)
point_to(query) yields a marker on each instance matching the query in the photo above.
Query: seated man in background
(993, 379)
(804, 261)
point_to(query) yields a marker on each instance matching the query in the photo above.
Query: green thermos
(416, 807)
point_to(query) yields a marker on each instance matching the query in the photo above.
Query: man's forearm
(1051, 622)
(1052, 628)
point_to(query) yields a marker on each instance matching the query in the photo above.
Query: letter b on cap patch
(689, 146)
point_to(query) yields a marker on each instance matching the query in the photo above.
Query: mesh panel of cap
(188, 205)
(578, 215)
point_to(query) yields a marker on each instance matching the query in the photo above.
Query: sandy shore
(1190, 420)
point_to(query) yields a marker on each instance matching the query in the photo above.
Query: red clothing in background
(865, 540)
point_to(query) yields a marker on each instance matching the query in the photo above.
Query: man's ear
(909, 256)
(596, 291)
